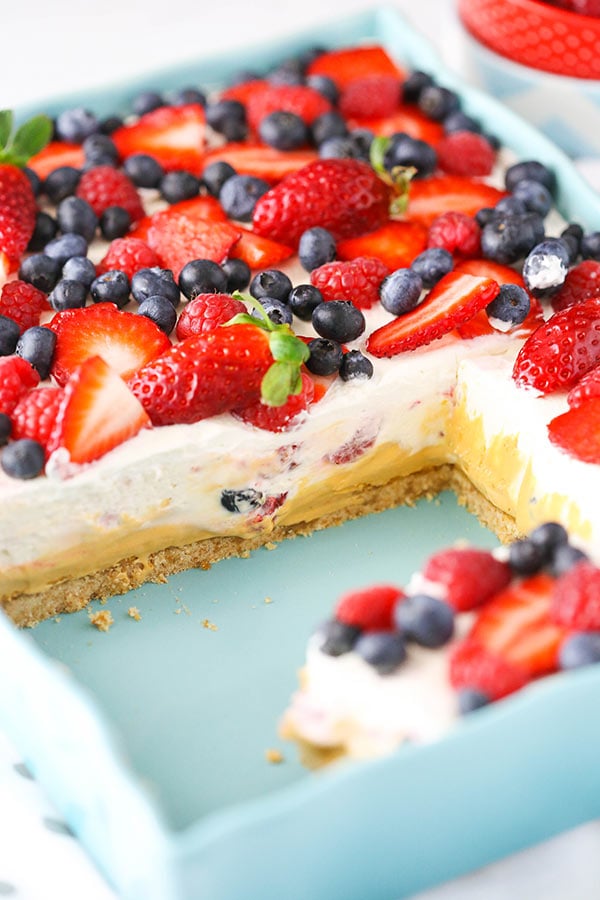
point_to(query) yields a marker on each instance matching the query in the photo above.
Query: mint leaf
(6, 126)
(31, 137)
(281, 380)
(286, 347)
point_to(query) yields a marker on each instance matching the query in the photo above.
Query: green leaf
(281, 380)
(31, 137)
(6, 126)
(286, 347)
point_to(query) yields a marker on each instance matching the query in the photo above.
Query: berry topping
(349, 63)
(465, 153)
(206, 312)
(338, 320)
(455, 232)
(580, 649)
(430, 197)
(129, 254)
(370, 609)
(179, 235)
(395, 243)
(105, 186)
(577, 431)
(576, 598)
(36, 345)
(316, 247)
(279, 418)
(33, 416)
(581, 283)
(469, 576)
(337, 638)
(17, 377)
(587, 388)
(384, 650)
(357, 280)
(473, 667)
(425, 620)
(511, 306)
(401, 291)
(23, 459)
(23, 303)
(304, 102)
(546, 266)
(370, 96)
(173, 136)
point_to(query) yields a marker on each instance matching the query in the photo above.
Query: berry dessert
(232, 317)
(473, 626)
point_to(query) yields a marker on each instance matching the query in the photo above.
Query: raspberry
(576, 599)
(581, 283)
(279, 418)
(23, 303)
(371, 608)
(34, 415)
(455, 232)
(472, 666)
(17, 377)
(470, 576)
(372, 96)
(465, 153)
(129, 254)
(206, 312)
(104, 186)
(357, 280)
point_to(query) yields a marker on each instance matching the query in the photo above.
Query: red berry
(430, 197)
(587, 388)
(465, 153)
(301, 100)
(371, 96)
(473, 666)
(279, 418)
(349, 63)
(23, 303)
(357, 280)
(455, 232)
(361, 441)
(34, 415)
(17, 212)
(577, 431)
(105, 186)
(370, 608)
(17, 377)
(396, 243)
(130, 254)
(576, 598)
(470, 576)
(173, 135)
(206, 312)
(180, 235)
(581, 283)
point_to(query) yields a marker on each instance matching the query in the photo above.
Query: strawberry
(454, 300)
(405, 119)
(473, 666)
(299, 99)
(576, 598)
(17, 377)
(343, 195)
(430, 197)
(259, 252)
(480, 324)
(561, 350)
(97, 413)
(582, 283)
(261, 161)
(23, 303)
(173, 135)
(124, 340)
(279, 418)
(206, 312)
(371, 608)
(357, 280)
(105, 186)
(129, 254)
(370, 96)
(577, 431)
(206, 208)
(349, 63)
(465, 153)
(455, 232)
(587, 388)
(34, 415)
(178, 237)
(469, 576)
(395, 243)
(55, 155)
(17, 212)
(244, 90)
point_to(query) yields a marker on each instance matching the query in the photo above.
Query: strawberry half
(259, 252)
(55, 155)
(124, 340)
(469, 576)
(303, 101)
(179, 236)
(395, 243)
(97, 413)
(173, 135)
(430, 197)
(406, 119)
(577, 431)
(454, 300)
(261, 161)
(349, 63)
(480, 324)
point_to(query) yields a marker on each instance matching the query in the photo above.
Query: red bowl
(537, 34)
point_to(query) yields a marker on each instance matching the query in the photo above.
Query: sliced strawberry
(396, 244)
(406, 119)
(178, 237)
(371, 608)
(124, 340)
(205, 207)
(469, 576)
(454, 300)
(371, 96)
(349, 63)
(473, 666)
(97, 413)
(55, 155)
(465, 153)
(174, 135)
(430, 197)
(587, 388)
(259, 252)
(261, 161)
(582, 283)
(577, 431)
(303, 101)
(480, 324)
(244, 90)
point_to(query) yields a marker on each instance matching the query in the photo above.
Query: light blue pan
(151, 739)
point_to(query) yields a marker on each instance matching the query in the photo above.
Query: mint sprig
(17, 147)
(283, 379)
(399, 178)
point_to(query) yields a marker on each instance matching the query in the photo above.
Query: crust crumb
(268, 600)
(270, 545)
(134, 613)
(210, 625)
(102, 620)
(274, 756)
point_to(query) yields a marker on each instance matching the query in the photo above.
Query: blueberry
(277, 311)
(5, 428)
(325, 86)
(69, 294)
(362, 138)
(271, 283)
(356, 366)
(111, 287)
(470, 699)
(45, 229)
(110, 124)
(202, 276)
(147, 101)
(338, 320)
(177, 186)
(303, 299)
(238, 274)
(100, 149)
(23, 459)
(228, 117)
(75, 215)
(342, 147)
(431, 265)
(316, 247)
(216, 174)
(564, 558)
(510, 206)
(508, 239)
(534, 196)
(438, 102)
(525, 557)
(328, 125)
(241, 501)
(115, 222)
(61, 183)
(290, 72)
(325, 357)
(79, 268)
(460, 121)
(414, 84)
(548, 536)
(283, 130)
(144, 170)
(425, 620)
(590, 245)
(9, 335)
(510, 305)
(239, 194)
(400, 292)
(150, 282)
(582, 648)
(41, 271)
(183, 96)
(36, 345)
(337, 637)
(572, 236)
(160, 311)
(384, 650)
(546, 266)
(484, 215)
(75, 125)
(530, 170)
(34, 180)
(65, 246)
(408, 151)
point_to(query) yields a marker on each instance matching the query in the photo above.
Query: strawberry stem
(17, 147)
(399, 178)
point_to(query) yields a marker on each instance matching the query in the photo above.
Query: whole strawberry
(343, 195)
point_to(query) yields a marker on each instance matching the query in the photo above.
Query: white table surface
(50, 48)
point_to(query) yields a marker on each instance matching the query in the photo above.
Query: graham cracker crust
(71, 595)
